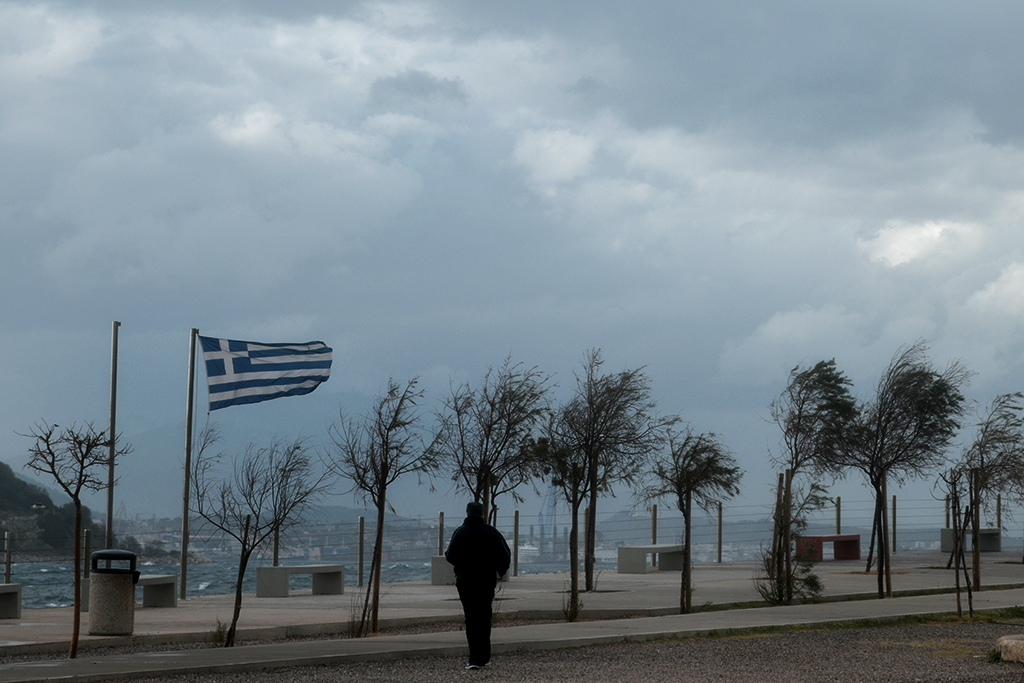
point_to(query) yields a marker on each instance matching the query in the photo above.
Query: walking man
(480, 556)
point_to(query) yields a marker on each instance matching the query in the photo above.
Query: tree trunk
(378, 556)
(775, 564)
(485, 495)
(686, 590)
(871, 547)
(787, 534)
(590, 542)
(574, 565)
(76, 627)
(243, 562)
(886, 546)
(955, 558)
(879, 540)
(976, 527)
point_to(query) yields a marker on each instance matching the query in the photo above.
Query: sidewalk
(624, 607)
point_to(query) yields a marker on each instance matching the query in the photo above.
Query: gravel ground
(926, 652)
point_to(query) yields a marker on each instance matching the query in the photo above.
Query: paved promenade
(624, 607)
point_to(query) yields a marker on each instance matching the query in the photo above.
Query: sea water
(51, 584)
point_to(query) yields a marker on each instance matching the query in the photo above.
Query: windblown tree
(266, 493)
(565, 468)
(610, 424)
(993, 463)
(483, 431)
(813, 412)
(696, 468)
(77, 459)
(955, 481)
(903, 433)
(374, 452)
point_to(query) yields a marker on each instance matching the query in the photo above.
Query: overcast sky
(718, 191)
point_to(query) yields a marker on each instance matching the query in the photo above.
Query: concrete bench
(844, 547)
(989, 541)
(441, 573)
(159, 590)
(633, 558)
(328, 579)
(10, 601)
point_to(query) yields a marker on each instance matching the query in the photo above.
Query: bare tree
(697, 468)
(77, 459)
(611, 423)
(993, 463)
(813, 412)
(566, 469)
(483, 431)
(903, 433)
(374, 453)
(955, 483)
(267, 492)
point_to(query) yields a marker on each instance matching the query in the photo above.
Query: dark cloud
(412, 88)
(718, 191)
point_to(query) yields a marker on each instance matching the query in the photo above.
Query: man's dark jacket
(478, 552)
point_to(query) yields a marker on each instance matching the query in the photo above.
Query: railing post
(894, 523)
(719, 554)
(947, 512)
(839, 515)
(976, 524)
(8, 543)
(440, 533)
(999, 512)
(586, 531)
(277, 546)
(654, 533)
(88, 554)
(362, 535)
(515, 543)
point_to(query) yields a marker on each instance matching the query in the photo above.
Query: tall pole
(515, 543)
(654, 533)
(718, 557)
(893, 544)
(440, 532)
(112, 434)
(183, 580)
(360, 551)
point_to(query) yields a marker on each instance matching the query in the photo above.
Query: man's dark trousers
(476, 597)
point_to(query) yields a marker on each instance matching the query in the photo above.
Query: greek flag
(241, 372)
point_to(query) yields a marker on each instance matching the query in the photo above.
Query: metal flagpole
(183, 578)
(113, 435)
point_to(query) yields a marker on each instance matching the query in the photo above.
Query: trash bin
(112, 593)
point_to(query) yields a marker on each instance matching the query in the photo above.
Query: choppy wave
(51, 584)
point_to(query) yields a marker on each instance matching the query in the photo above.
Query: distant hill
(17, 494)
(38, 523)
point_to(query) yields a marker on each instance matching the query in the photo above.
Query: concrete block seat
(441, 573)
(10, 601)
(633, 558)
(159, 590)
(272, 582)
(844, 547)
(989, 540)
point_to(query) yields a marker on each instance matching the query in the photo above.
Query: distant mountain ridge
(39, 524)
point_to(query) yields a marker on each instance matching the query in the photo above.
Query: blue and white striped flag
(241, 372)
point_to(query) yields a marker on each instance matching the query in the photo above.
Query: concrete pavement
(624, 607)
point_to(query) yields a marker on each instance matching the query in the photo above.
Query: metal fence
(729, 533)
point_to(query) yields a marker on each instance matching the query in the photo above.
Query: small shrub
(219, 634)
